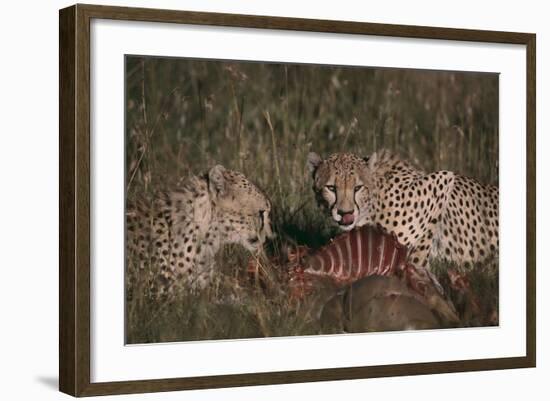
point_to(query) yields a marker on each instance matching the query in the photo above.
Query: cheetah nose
(346, 218)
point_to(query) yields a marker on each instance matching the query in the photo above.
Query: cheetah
(181, 230)
(436, 215)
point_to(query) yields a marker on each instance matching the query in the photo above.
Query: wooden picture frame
(74, 204)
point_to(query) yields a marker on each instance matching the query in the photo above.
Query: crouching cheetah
(440, 214)
(180, 231)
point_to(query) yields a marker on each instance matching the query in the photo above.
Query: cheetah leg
(461, 284)
(425, 282)
(419, 259)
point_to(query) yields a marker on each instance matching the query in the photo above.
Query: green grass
(183, 116)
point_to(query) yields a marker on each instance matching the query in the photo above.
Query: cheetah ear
(216, 179)
(371, 160)
(313, 161)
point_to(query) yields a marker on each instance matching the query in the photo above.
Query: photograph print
(276, 199)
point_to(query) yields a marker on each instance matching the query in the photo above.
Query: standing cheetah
(440, 214)
(182, 230)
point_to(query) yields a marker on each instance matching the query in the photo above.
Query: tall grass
(183, 116)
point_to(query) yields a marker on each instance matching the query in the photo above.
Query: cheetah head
(341, 186)
(242, 210)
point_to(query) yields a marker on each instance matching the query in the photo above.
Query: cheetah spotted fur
(181, 230)
(440, 214)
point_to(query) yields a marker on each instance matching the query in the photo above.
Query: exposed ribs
(354, 255)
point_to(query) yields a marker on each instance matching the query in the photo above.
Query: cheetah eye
(331, 188)
(358, 188)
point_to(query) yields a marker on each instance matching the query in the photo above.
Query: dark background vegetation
(184, 116)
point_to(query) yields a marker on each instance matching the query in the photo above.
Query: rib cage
(364, 252)
(357, 254)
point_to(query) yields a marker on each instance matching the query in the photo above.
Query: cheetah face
(341, 188)
(249, 231)
(242, 209)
